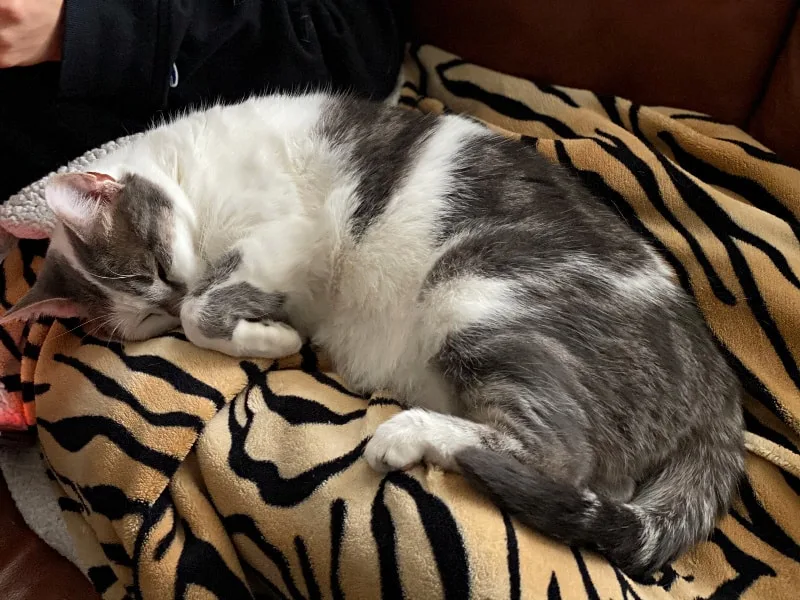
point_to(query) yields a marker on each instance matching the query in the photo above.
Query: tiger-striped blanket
(187, 474)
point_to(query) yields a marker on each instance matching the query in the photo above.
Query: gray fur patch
(224, 306)
(382, 142)
(58, 279)
(601, 387)
(219, 272)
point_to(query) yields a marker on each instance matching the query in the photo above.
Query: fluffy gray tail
(677, 508)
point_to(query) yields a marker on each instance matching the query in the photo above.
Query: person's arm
(30, 32)
(129, 50)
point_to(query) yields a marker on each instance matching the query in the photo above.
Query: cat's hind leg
(417, 435)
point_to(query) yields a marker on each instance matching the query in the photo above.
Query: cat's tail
(675, 509)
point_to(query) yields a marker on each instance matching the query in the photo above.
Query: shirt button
(173, 76)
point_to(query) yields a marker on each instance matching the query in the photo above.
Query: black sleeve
(129, 51)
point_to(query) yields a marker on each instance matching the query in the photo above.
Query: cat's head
(111, 258)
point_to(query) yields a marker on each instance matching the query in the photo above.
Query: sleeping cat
(545, 350)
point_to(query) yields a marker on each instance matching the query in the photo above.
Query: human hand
(31, 32)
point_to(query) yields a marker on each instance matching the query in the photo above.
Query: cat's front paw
(247, 339)
(265, 340)
(398, 444)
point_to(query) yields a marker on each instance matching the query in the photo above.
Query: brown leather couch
(29, 568)
(738, 60)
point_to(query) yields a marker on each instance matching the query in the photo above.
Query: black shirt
(125, 62)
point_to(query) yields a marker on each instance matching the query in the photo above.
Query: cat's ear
(45, 298)
(79, 200)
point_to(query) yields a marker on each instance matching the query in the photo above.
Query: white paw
(397, 444)
(265, 340)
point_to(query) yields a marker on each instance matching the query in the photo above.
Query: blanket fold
(187, 474)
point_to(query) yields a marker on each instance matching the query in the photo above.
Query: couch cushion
(711, 56)
(776, 121)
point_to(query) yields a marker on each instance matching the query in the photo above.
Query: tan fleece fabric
(185, 473)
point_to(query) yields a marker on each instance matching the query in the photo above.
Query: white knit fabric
(35, 497)
(26, 215)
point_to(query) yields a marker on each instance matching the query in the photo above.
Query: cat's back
(442, 174)
(335, 120)
(421, 182)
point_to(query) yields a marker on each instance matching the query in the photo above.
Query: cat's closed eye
(163, 276)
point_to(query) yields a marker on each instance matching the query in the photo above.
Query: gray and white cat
(544, 347)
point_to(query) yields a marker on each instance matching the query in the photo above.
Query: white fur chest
(372, 329)
(381, 353)
(374, 323)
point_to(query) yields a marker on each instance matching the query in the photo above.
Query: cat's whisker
(96, 329)
(114, 273)
(110, 337)
(79, 326)
(95, 275)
